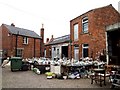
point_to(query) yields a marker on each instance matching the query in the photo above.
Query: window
(25, 40)
(1, 52)
(85, 50)
(45, 53)
(57, 51)
(76, 52)
(75, 32)
(85, 25)
(19, 52)
(54, 48)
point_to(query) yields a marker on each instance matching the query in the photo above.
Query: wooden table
(43, 68)
(69, 68)
(66, 69)
(98, 76)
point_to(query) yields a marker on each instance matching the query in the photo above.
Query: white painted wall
(54, 52)
(58, 46)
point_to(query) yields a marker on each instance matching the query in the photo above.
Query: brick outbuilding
(21, 42)
(87, 31)
(57, 48)
(113, 43)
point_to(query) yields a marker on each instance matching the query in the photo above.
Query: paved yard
(28, 79)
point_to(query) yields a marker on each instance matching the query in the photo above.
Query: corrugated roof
(112, 27)
(23, 32)
(62, 39)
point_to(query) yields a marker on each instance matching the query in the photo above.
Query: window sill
(82, 33)
(25, 43)
(76, 40)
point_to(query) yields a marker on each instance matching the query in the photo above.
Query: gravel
(29, 79)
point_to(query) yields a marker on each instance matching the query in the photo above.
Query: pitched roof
(23, 32)
(62, 39)
(110, 5)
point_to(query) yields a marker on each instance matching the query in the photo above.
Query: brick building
(87, 31)
(57, 48)
(21, 42)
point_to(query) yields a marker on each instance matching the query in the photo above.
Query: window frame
(19, 54)
(76, 29)
(85, 25)
(85, 46)
(58, 51)
(25, 40)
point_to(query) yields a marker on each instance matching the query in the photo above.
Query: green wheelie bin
(16, 63)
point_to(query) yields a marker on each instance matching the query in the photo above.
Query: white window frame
(25, 40)
(85, 25)
(21, 53)
(76, 28)
(76, 52)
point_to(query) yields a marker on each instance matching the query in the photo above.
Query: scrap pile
(54, 68)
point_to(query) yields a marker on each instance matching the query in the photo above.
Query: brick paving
(29, 79)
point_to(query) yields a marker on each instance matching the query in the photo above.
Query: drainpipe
(34, 47)
(70, 43)
(16, 43)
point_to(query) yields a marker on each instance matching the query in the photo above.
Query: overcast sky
(54, 14)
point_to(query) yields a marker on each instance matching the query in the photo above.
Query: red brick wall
(0, 38)
(48, 54)
(9, 43)
(37, 48)
(6, 40)
(97, 20)
(42, 42)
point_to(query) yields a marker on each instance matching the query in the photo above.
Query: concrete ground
(29, 79)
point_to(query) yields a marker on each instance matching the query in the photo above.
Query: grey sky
(54, 14)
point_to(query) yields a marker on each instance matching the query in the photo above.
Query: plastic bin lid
(16, 57)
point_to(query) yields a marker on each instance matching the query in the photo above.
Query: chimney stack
(12, 24)
(42, 42)
(42, 33)
(52, 37)
(47, 40)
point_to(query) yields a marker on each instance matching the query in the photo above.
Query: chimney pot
(12, 24)
(52, 36)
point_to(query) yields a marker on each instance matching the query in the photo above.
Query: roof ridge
(18, 27)
(22, 31)
(63, 36)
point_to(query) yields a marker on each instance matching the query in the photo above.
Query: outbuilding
(113, 43)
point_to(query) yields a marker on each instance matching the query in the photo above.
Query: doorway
(65, 51)
(114, 46)
(76, 52)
